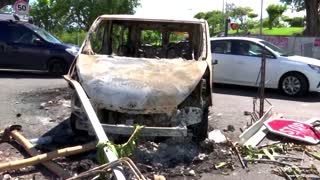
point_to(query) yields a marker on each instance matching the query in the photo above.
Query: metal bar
(146, 131)
(262, 83)
(261, 18)
(97, 127)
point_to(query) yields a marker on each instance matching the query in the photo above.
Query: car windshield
(45, 35)
(275, 48)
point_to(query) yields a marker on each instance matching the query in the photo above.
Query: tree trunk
(6, 2)
(313, 24)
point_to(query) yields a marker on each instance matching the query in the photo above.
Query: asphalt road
(13, 85)
(230, 102)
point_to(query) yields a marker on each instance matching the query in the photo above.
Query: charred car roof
(151, 19)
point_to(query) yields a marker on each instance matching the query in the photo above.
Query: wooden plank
(32, 151)
(258, 136)
(255, 127)
(13, 165)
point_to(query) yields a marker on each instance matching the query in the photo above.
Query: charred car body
(152, 72)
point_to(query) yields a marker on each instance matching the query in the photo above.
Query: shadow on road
(270, 93)
(27, 75)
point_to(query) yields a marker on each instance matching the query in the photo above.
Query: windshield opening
(148, 39)
(45, 35)
(275, 48)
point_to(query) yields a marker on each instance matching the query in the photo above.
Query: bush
(73, 37)
(265, 22)
(252, 24)
(297, 22)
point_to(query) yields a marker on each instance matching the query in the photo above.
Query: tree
(214, 18)
(297, 22)
(312, 8)
(275, 11)
(240, 13)
(6, 2)
(252, 15)
(58, 15)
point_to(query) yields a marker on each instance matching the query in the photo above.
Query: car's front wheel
(293, 84)
(200, 130)
(57, 67)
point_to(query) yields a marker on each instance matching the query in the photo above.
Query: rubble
(177, 158)
(217, 136)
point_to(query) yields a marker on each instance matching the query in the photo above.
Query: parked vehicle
(238, 61)
(152, 72)
(26, 46)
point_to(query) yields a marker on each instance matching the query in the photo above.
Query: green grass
(285, 31)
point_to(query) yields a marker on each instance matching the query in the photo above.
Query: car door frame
(222, 64)
(244, 75)
(36, 55)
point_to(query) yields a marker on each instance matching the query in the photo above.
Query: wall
(303, 46)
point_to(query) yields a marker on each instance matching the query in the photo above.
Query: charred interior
(147, 39)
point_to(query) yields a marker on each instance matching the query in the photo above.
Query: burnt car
(146, 71)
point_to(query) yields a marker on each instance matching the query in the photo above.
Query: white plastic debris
(217, 136)
(192, 173)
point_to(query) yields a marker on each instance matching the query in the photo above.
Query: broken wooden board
(257, 131)
(261, 133)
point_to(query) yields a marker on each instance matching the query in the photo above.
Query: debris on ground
(217, 136)
(171, 158)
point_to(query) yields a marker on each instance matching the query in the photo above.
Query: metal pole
(261, 23)
(262, 83)
(96, 126)
(226, 19)
(223, 7)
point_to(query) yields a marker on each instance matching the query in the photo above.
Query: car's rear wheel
(57, 67)
(293, 84)
(200, 130)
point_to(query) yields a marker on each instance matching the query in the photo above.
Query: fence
(303, 46)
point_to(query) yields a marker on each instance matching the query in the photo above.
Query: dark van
(26, 46)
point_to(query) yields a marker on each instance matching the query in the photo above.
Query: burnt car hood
(138, 85)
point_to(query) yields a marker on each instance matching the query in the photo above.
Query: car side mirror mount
(37, 41)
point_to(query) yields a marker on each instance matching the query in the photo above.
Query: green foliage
(59, 15)
(287, 31)
(6, 2)
(252, 24)
(239, 13)
(73, 37)
(151, 37)
(296, 4)
(121, 150)
(275, 11)
(252, 15)
(6, 9)
(215, 20)
(251, 153)
(297, 22)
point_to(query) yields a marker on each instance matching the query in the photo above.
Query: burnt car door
(26, 50)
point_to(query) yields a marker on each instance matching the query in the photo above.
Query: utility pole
(261, 23)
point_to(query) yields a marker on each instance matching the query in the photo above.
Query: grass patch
(284, 31)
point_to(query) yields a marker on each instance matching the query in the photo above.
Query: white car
(237, 60)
